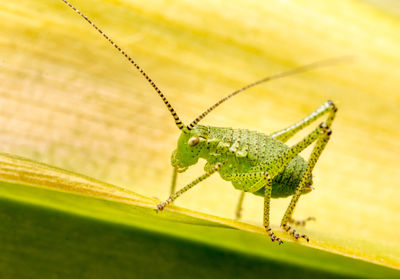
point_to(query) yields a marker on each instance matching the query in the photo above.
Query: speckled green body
(241, 151)
(252, 161)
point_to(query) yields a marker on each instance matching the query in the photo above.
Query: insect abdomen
(244, 151)
(286, 182)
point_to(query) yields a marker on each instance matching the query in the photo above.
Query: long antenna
(290, 72)
(178, 122)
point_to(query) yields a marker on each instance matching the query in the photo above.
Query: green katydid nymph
(253, 162)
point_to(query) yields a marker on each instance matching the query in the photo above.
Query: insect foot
(300, 222)
(273, 236)
(294, 233)
(162, 205)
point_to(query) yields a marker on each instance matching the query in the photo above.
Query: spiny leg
(175, 172)
(280, 163)
(285, 134)
(239, 205)
(260, 179)
(174, 196)
(318, 148)
(267, 202)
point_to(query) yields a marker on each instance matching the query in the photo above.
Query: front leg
(173, 182)
(174, 196)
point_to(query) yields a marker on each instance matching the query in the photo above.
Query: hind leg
(285, 134)
(318, 148)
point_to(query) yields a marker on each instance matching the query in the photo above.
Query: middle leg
(260, 179)
(267, 202)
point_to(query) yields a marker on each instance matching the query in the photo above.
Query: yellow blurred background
(67, 98)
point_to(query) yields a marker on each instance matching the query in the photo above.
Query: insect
(253, 162)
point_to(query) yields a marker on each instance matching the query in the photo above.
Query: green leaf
(46, 230)
(68, 99)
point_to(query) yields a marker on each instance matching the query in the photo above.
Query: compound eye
(193, 141)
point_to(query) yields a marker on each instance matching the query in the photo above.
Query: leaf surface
(69, 100)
